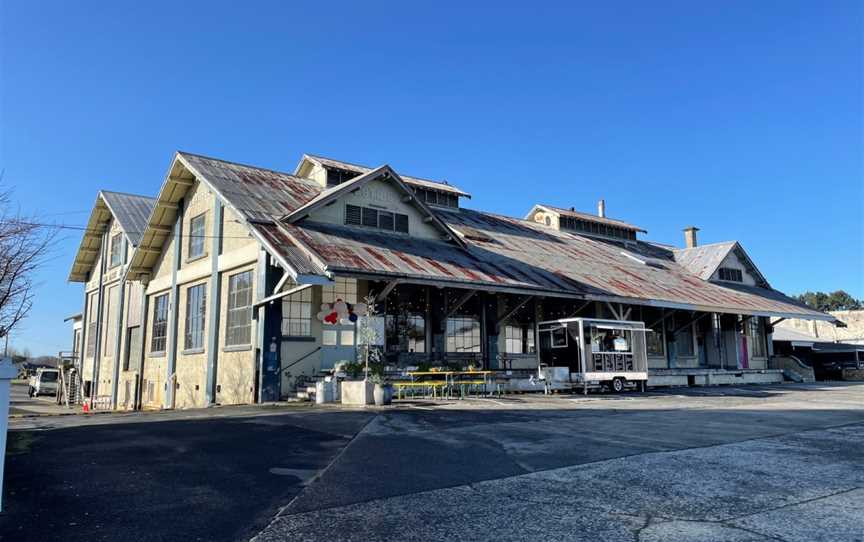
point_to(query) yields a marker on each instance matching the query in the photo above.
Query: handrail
(299, 360)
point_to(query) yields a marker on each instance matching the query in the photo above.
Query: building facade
(243, 283)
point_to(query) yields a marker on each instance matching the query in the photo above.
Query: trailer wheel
(618, 385)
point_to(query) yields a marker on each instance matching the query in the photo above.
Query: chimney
(601, 208)
(690, 236)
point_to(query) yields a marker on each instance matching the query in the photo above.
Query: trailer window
(553, 338)
(606, 339)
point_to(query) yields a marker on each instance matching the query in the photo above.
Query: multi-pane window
(160, 324)
(111, 320)
(433, 197)
(463, 334)
(406, 333)
(239, 329)
(730, 274)
(297, 314)
(196, 307)
(197, 236)
(374, 218)
(756, 337)
(116, 249)
(342, 288)
(519, 339)
(654, 340)
(684, 341)
(588, 226)
(90, 350)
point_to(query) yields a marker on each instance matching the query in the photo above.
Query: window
(196, 306)
(297, 314)
(239, 329)
(370, 217)
(196, 236)
(90, 350)
(353, 215)
(342, 288)
(730, 274)
(406, 333)
(401, 223)
(684, 341)
(655, 343)
(609, 339)
(160, 324)
(463, 334)
(519, 339)
(111, 320)
(433, 197)
(373, 218)
(116, 250)
(756, 337)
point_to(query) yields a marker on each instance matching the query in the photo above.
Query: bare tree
(24, 243)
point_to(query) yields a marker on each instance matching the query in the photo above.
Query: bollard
(7, 373)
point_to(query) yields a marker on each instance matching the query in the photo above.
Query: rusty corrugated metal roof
(130, 211)
(703, 260)
(442, 186)
(525, 256)
(501, 252)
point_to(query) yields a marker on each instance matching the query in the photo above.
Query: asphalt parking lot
(749, 463)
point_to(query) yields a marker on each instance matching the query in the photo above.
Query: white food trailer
(590, 353)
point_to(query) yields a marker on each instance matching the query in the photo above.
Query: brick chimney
(690, 236)
(601, 208)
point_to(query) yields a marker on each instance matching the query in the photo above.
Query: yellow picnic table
(447, 381)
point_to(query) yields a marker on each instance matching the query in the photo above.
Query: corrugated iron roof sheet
(527, 256)
(703, 260)
(131, 211)
(502, 252)
(442, 186)
(592, 218)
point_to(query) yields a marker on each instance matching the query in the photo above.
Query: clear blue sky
(743, 118)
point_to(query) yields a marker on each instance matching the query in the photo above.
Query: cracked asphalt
(779, 463)
(732, 463)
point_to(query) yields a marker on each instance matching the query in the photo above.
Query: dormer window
(338, 176)
(586, 226)
(434, 197)
(730, 274)
(356, 215)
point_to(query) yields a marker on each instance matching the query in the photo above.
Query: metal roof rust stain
(405, 258)
(381, 258)
(525, 254)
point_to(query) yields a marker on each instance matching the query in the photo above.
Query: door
(133, 348)
(702, 349)
(338, 343)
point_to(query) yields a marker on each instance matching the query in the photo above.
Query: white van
(44, 382)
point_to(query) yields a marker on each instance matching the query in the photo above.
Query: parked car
(44, 382)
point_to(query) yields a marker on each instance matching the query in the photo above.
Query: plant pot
(356, 392)
(388, 394)
(379, 393)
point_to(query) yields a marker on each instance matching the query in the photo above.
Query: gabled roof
(509, 254)
(704, 260)
(583, 216)
(129, 210)
(384, 172)
(257, 195)
(441, 186)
